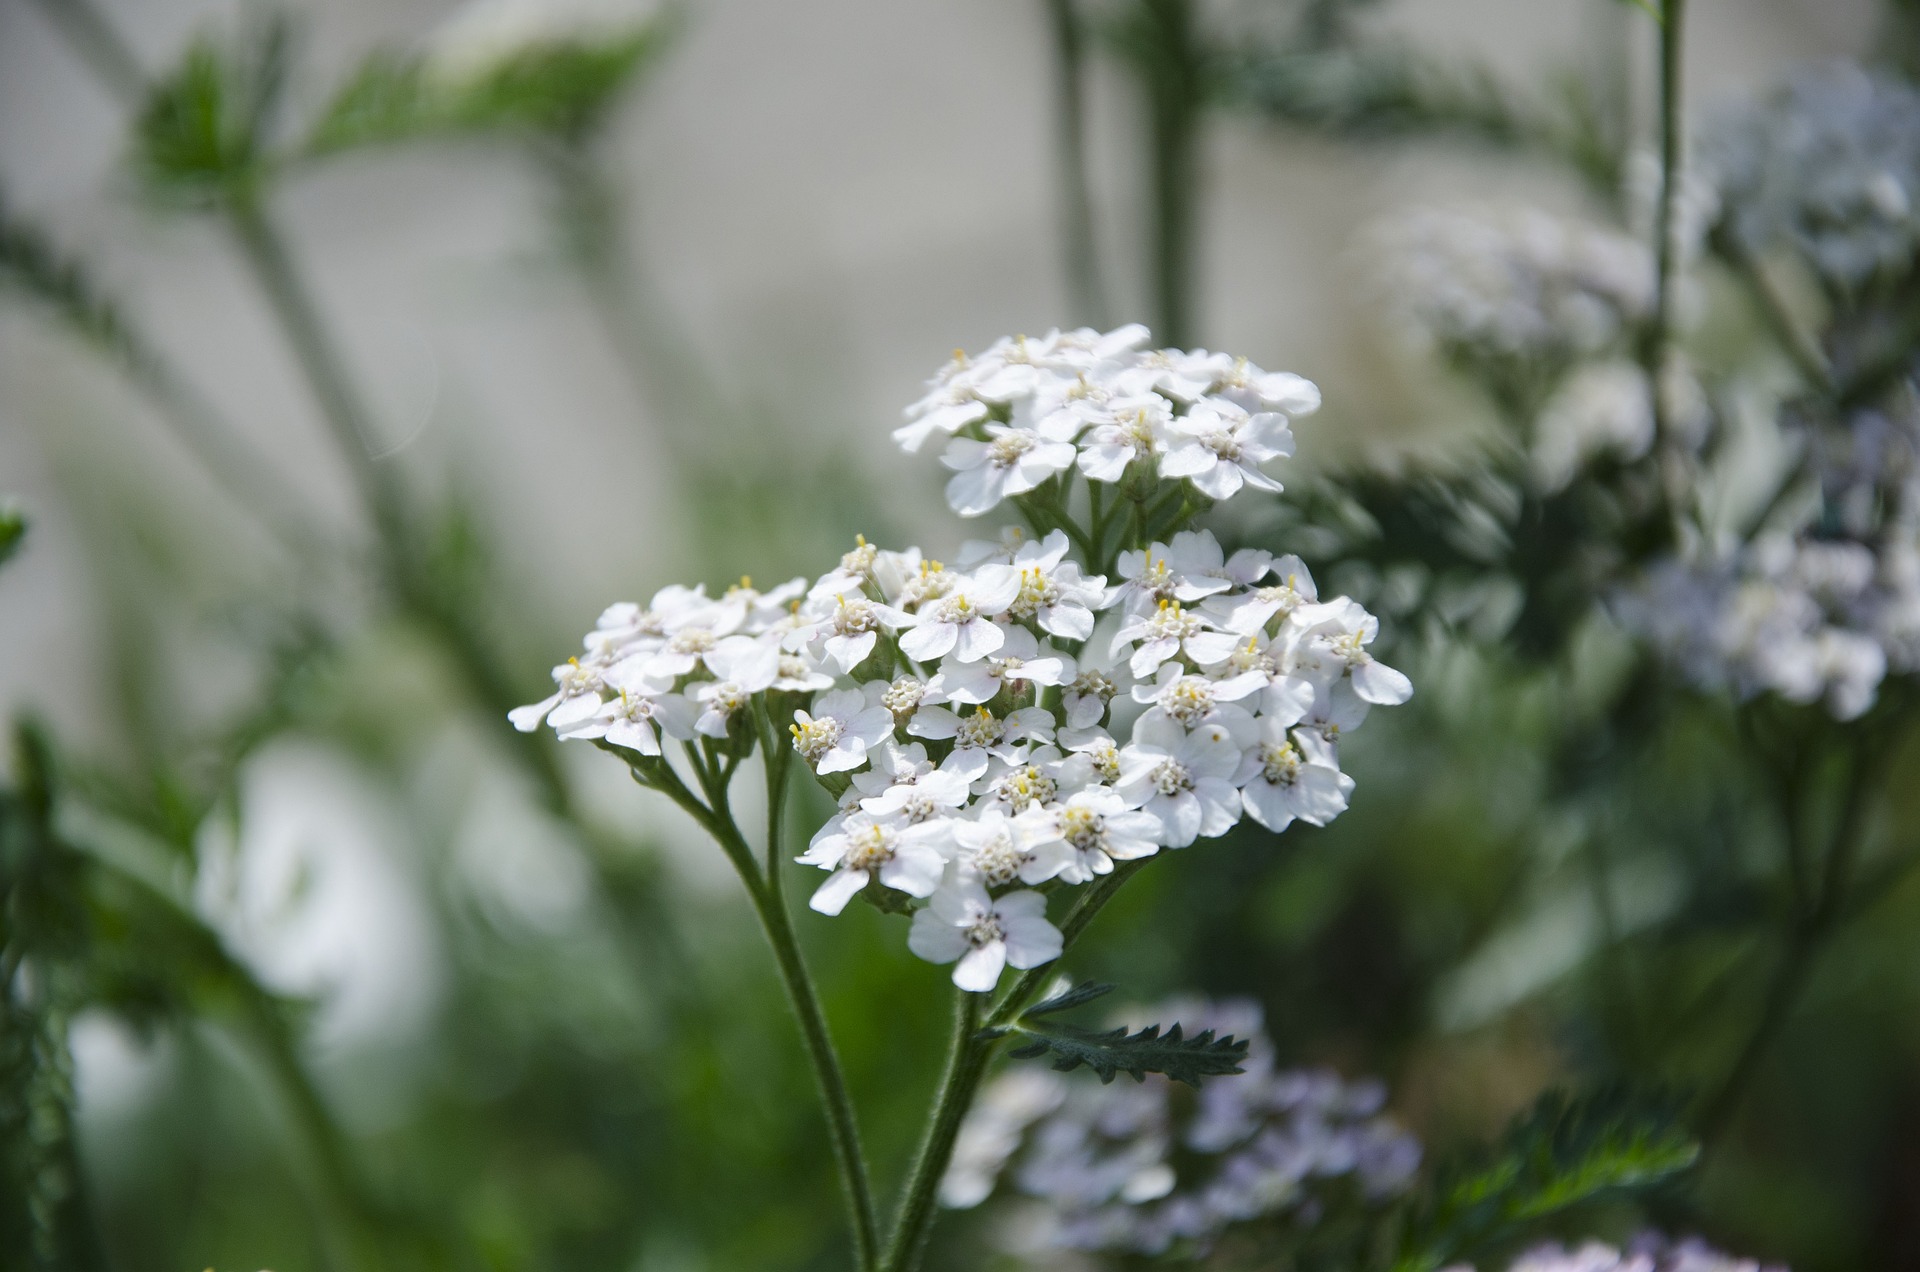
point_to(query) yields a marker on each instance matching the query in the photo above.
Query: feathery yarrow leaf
(1115, 1051)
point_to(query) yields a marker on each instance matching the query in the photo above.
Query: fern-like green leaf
(207, 131)
(1116, 1051)
(1564, 1153)
(1067, 999)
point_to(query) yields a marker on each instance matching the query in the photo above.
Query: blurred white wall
(833, 194)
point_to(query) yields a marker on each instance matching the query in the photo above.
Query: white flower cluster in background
(1811, 620)
(1514, 285)
(1647, 1253)
(1033, 410)
(1829, 165)
(1013, 720)
(1129, 1168)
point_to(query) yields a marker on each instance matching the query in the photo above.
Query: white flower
(902, 783)
(1332, 643)
(1100, 829)
(1183, 779)
(901, 856)
(1251, 610)
(844, 724)
(1010, 462)
(1191, 701)
(1190, 569)
(577, 696)
(982, 732)
(1020, 663)
(800, 673)
(1166, 633)
(949, 405)
(1219, 447)
(636, 719)
(1294, 776)
(1052, 591)
(1084, 700)
(984, 933)
(1136, 431)
(1177, 374)
(720, 701)
(998, 849)
(961, 623)
(1249, 387)
(844, 631)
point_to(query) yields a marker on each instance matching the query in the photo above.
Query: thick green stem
(973, 1046)
(1170, 63)
(1079, 242)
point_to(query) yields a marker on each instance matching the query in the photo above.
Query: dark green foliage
(207, 131)
(1564, 1153)
(13, 531)
(1066, 999)
(563, 89)
(32, 265)
(1115, 1051)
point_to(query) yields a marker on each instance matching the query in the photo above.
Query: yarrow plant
(1010, 734)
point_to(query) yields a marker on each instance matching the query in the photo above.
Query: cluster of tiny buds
(1013, 723)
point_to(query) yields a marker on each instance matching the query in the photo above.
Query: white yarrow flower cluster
(1137, 1169)
(1016, 721)
(1028, 411)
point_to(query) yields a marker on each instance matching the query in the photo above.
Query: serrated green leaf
(1078, 995)
(1565, 1152)
(1116, 1051)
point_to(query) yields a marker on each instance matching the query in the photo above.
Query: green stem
(1171, 65)
(843, 1129)
(98, 45)
(1079, 242)
(323, 365)
(1659, 339)
(973, 1047)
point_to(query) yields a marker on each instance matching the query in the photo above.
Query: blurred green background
(351, 975)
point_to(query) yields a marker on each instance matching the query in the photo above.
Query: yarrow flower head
(1026, 411)
(1009, 723)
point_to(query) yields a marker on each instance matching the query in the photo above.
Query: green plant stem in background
(1823, 904)
(769, 907)
(320, 361)
(1078, 236)
(974, 1043)
(1658, 346)
(97, 44)
(1167, 52)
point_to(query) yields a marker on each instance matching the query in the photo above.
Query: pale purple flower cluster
(1131, 1169)
(1827, 166)
(1811, 620)
(1648, 1252)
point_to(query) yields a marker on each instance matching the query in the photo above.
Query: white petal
(979, 969)
(832, 896)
